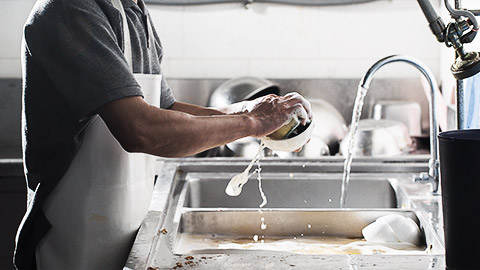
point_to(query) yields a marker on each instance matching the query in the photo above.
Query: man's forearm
(194, 109)
(178, 134)
(235, 108)
(172, 133)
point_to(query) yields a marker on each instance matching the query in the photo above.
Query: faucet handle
(422, 177)
(427, 178)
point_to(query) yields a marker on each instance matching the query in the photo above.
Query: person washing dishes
(96, 112)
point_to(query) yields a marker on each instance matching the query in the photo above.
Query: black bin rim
(464, 135)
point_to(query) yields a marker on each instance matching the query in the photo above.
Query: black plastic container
(460, 182)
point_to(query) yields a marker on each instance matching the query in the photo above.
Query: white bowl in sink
(393, 228)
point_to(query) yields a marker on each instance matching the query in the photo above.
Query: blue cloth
(472, 101)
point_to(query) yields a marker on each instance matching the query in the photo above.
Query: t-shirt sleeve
(77, 47)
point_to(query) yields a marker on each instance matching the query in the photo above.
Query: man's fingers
(296, 97)
(301, 113)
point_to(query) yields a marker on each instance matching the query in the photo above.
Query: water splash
(357, 112)
(235, 185)
(263, 226)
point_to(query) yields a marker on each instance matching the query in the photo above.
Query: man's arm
(237, 108)
(195, 109)
(140, 127)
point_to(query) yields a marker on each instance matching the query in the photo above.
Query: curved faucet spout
(433, 174)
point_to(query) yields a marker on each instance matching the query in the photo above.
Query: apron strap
(127, 46)
(151, 39)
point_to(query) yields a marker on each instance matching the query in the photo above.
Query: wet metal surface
(183, 204)
(290, 192)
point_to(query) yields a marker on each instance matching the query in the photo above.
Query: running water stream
(357, 112)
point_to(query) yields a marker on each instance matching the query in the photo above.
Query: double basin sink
(201, 222)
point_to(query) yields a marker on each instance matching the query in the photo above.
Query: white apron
(101, 201)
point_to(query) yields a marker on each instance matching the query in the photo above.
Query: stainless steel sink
(194, 215)
(292, 193)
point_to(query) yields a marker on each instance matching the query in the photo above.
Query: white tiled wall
(268, 40)
(279, 41)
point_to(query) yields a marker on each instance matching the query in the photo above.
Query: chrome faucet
(433, 174)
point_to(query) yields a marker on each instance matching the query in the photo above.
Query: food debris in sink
(328, 245)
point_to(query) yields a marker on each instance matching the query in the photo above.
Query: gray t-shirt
(73, 63)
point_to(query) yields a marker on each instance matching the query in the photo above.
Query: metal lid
(242, 88)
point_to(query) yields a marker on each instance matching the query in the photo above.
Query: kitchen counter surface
(296, 261)
(146, 249)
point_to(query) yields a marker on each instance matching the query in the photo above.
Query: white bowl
(404, 228)
(290, 144)
(393, 228)
(379, 232)
(330, 126)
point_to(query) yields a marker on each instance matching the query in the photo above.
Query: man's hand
(272, 112)
(305, 103)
